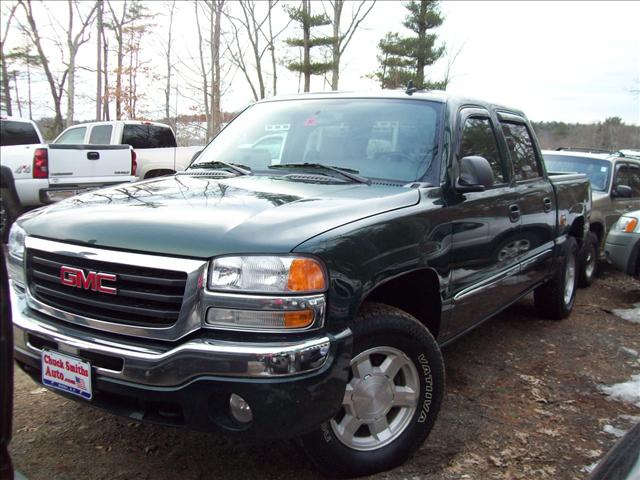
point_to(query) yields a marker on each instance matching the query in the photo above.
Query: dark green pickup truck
(300, 278)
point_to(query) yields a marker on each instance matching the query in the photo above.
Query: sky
(564, 61)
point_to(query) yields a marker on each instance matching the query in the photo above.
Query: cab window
(478, 139)
(523, 153)
(100, 135)
(74, 136)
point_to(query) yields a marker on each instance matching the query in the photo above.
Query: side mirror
(622, 191)
(475, 175)
(195, 155)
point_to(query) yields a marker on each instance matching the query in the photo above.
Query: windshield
(598, 171)
(384, 139)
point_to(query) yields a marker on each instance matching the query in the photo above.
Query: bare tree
(210, 69)
(167, 91)
(341, 39)
(74, 42)
(452, 55)
(257, 27)
(56, 84)
(99, 35)
(117, 24)
(6, 90)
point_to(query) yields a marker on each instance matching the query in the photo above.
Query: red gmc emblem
(75, 277)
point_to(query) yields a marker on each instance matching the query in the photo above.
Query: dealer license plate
(66, 373)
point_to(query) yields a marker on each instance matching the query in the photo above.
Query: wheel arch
(158, 172)
(416, 292)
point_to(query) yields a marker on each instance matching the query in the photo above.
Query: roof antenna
(410, 88)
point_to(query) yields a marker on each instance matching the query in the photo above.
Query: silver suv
(615, 182)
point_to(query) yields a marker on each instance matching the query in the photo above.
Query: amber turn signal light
(306, 275)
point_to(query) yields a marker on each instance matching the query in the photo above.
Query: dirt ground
(522, 402)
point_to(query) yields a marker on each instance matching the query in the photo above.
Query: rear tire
(392, 399)
(554, 300)
(589, 261)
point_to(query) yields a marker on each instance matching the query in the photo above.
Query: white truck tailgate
(74, 164)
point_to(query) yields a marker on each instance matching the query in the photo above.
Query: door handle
(514, 213)
(547, 204)
(93, 156)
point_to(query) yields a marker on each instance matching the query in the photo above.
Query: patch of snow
(630, 418)
(629, 351)
(589, 468)
(625, 392)
(630, 314)
(616, 432)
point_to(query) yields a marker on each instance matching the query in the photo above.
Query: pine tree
(303, 17)
(405, 58)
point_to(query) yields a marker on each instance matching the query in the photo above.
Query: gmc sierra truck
(305, 297)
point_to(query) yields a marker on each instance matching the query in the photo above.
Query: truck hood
(203, 217)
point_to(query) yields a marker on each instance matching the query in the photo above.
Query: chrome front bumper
(154, 364)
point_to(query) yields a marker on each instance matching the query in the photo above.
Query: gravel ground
(522, 402)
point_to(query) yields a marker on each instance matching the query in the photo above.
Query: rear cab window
(100, 135)
(148, 136)
(73, 136)
(17, 133)
(526, 164)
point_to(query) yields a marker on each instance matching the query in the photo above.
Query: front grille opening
(146, 297)
(41, 343)
(102, 361)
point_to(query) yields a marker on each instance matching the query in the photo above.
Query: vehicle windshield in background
(598, 171)
(386, 139)
(17, 133)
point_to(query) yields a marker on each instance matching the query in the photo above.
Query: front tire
(589, 261)
(391, 401)
(554, 300)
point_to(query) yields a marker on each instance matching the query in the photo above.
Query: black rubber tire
(9, 211)
(381, 325)
(591, 250)
(549, 298)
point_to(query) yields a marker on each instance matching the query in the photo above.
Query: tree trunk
(205, 83)
(99, 63)
(15, 83)
(71, 76)
(422, 36)
(335, 69)
(105, 97)
(273, 51)
(35, 37)
(306, 34)
(167, 92)
(216, 113)
(6, 89)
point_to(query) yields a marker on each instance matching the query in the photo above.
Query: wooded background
(44, 47)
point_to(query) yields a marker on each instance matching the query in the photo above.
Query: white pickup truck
(34, 173)
(155, 143)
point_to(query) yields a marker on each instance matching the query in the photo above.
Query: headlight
(628, 224)
(267, 274)
(15, 246)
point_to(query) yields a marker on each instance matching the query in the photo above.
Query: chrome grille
(145, 296)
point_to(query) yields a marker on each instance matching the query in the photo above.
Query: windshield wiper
(345, 172)
(217, 164)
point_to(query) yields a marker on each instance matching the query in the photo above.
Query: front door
(485, 231)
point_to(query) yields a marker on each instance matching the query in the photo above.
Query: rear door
(536, 201)
(485, 241)
(75, 164)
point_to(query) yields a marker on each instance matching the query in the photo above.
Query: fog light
(240, 409)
